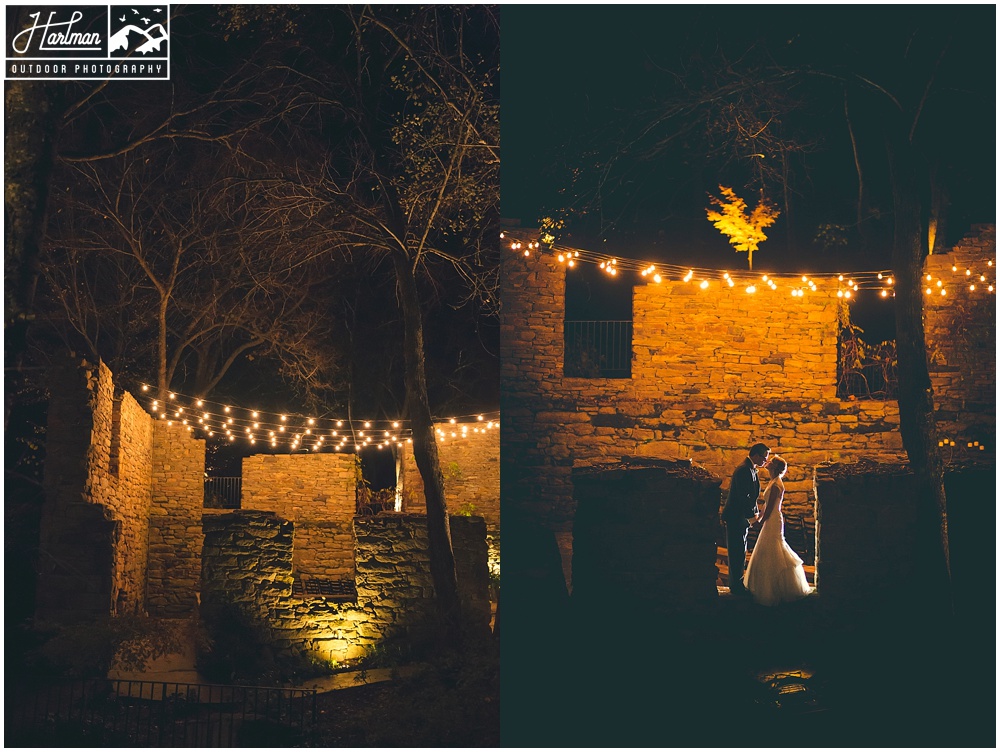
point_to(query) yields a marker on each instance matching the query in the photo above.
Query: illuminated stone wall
(248, 563)
(318, 493)
(97, 480)
(471, 468)
(961, 330)
(712, 372)
(175, 536)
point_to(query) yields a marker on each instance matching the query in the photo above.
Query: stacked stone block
(318, 492)
(868, 531)
(713, 371)
(248, 563)
(97, 484)
(646, 534)
(962, 327)
(470, 464)
(175, 531)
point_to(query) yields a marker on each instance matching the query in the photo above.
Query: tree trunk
(425, 448)
(162, 385)
(31, 114)
(916, 399)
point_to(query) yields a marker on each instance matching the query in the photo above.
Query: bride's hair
(779, 464)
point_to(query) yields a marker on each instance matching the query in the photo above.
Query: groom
(741, 511)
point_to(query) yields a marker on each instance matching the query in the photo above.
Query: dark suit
(741, 505)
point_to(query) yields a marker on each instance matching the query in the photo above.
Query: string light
(658, 272)
(217, 420)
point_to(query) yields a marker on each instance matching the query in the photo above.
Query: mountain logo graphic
(137, 31)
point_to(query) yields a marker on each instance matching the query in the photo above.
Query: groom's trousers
(736, 550)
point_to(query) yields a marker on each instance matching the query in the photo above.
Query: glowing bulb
(954, 268)
(840, 293)
(145, 387)
(751, 289)
(885, 294)
(253, 414)
(340, 423)
(452, 421)
(395, 423)
(281, 428)
(256, 425)
(982, 278)
(657, 278)
(704, 284)
(311, 421)
(368, 424)
(479, 417)
(225, 409)
(880, 275)
(928, 277)
(968, 272)
(173, 396)
(230, 420)
(943, 291)
(891, 281)
(847, 294)
(972, 288)
(928, 291)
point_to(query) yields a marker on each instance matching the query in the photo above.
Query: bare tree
(142, 247)
(412, 178)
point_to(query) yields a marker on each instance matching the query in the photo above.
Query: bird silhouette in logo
(135, 11)
(145, 20)
(122, 19)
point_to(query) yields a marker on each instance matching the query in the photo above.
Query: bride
(774, 574)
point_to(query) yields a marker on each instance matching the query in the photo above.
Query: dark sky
(576, 83)
(576, 80)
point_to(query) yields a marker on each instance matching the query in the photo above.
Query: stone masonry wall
(99, 442)
(961, 330)
(318, 493)
(712, 372)
(248, 563)
(646, 535)
(175, 533)
(470, 463)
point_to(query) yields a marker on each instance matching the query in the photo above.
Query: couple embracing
(774, 574)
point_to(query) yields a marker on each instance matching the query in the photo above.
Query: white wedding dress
(775, 574)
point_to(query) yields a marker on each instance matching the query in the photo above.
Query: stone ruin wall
(712, 372)
(317, 492)
(98, 475)
(471, 469)
(248, 563)
(960, 329)
(175, 533)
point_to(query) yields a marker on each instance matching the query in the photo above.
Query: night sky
(576, 86)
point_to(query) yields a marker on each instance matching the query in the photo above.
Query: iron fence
(598, 349)
(114, 713)
(223, 493)
(866, 371)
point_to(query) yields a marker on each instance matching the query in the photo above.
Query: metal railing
(866, 371)
(223, 493)
(598, 349)
(113, 713)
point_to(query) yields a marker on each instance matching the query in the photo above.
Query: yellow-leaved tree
(745, 231)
